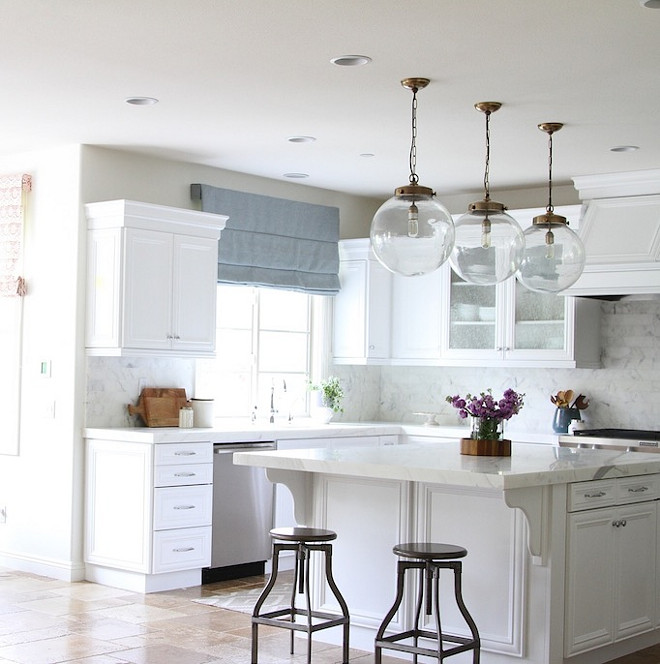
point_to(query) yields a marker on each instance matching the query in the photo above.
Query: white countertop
(441, 463)
(242, 430)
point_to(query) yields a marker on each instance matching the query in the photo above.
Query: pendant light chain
(550, 208)
(487, 169)
(413, 144)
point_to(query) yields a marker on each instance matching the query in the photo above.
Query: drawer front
(188, 548)
(183, 507)
(638, 488)
(177, 453)
(587, 495)
(194, 473)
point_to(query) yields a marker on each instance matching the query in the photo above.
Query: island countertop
(441, 463)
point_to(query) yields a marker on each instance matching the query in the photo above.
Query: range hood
(620, 227)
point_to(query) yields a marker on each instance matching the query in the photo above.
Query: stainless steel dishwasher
(242, 515)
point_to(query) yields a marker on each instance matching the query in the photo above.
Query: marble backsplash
(625, 392)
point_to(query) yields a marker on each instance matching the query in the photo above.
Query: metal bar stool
(303, 541)
(429, 559)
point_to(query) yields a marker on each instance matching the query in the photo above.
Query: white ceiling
(235, 78)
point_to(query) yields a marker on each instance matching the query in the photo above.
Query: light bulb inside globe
(485, 233)
(549, 245)
(413, 220)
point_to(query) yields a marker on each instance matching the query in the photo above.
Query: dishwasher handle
(242, 447)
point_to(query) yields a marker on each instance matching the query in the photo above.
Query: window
(264, 342)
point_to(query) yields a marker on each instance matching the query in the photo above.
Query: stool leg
(262, 598)
(458, 593)
(309, 608)
(297, 586)
(327, 548)
(422, 587)
(436, 611)
(401, 568)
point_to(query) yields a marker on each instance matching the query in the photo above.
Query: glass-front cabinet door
(539, 322)
(475, 320)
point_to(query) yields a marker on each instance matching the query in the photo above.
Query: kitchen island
(562, 542)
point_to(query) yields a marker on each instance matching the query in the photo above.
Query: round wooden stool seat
(301, 534)
(430, 551)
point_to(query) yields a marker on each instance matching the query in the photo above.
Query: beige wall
(109, 174)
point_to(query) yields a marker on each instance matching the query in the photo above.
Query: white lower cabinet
(148, 513)
(611, 563)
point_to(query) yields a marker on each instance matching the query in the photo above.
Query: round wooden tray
(484, 447)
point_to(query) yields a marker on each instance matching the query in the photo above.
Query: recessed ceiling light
(624, 148)
(650, 4)
(141, 101)
(301, 139)
(296, 176)
(351, 60)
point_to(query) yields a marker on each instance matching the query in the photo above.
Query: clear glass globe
(553, 259)
(412, 234)
(488, 247)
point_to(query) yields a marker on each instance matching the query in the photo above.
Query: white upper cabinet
(438, 319)
(151, 279)
(508, 325)
(361, 312)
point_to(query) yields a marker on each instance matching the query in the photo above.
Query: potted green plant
(331, 395)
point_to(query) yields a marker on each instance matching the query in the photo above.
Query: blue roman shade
(275, 242)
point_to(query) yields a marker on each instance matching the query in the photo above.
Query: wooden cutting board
(159, 406)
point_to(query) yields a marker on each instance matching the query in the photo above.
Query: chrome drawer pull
(184, 507)
(640, 489)
(184, 474)
(185, 453)
(184, 549)
(598, 494)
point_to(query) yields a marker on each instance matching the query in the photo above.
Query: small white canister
(203, 412)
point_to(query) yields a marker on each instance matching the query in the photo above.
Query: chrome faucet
(273, 410)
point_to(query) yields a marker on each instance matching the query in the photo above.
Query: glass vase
(487, 428)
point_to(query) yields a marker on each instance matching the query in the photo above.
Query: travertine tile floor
(45, 621)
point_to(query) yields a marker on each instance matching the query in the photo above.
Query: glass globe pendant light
(554, 254)
(489, 243)
(412, 233)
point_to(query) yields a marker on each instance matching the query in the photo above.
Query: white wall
(41, 486)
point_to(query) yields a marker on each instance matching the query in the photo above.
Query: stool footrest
(390, 642)
(277, 619)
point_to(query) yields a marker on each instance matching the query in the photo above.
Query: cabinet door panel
(589, 583)
(350, 323)
(416, 316)
(195, 277)
(148, 284)
(635, 589)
